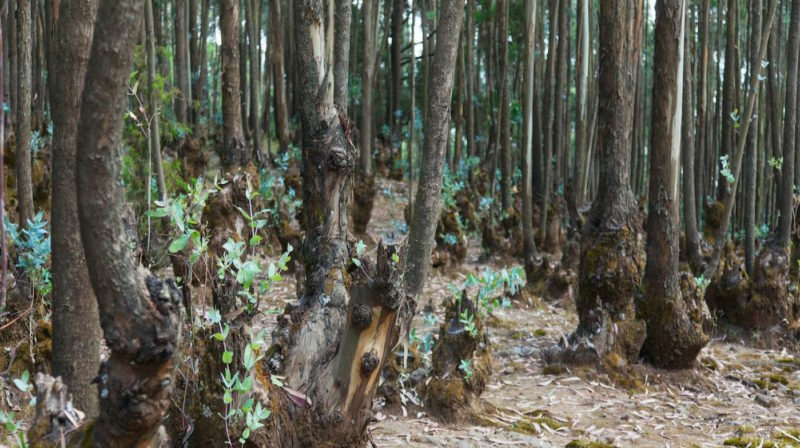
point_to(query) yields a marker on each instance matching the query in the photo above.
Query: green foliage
(466, 367)
(33, 245)
(725, 170)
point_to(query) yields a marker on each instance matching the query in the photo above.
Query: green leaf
(360, 246)
(228, 397)
(227, 357)
(395, 257)
(178, 244)
(158, 213)
(356, 262)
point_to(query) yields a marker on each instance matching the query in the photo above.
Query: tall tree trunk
(278, 73)
(139, 313)
(701, 145)
(692, 234)
(342, 53)
(736, 162)
(528, 243)
(506, 171)
(786, 197)
(155, 133)
(76, 323)
(255, 62)
(199, 88)
(412, 110)
(751, 152)
(674, 312)
(469, 70)
(23, 127)
(181, 74)
(549, 118)
(370, 14)
(581, 115)
(13, 63)
(612, 261)
(397, 66)
(729, 101)
(234, 151)
(428, 204)
(458, 114)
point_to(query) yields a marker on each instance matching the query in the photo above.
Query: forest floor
(736, 393)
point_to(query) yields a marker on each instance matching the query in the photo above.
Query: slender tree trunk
(397, 68)
(458, 118)
(181, 75)
(276, 42)
(13, 63)
(786, 195)
(528, 243)
(701, 145)
(155, 133)
(342, 53)
(76, 323)
(413, 110)
(370, 14)
(234, 151)
(427, 206)
(199, 88)
(692, 234)
(253, 39)
(506, 170)
(751, 152)
(736, 162)
(549, 114)
(469, 71)
(581, 115)
(139, 313)
(674, 326)
(23, 128)
(729, 89)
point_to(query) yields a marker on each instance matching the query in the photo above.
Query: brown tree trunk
(506, 171)
(139, 313)
(252, 47)
(692, 234)
(701, 145)
(23, 127)
(341, 52)
(370, 23)
(278, 74)
(397, 66)
(199, 89)
(751, 152)
(234, 151)
(729, 102)
(155, 133)
(427, 206)
(581, 112)
(611, 257)
(529, 245)
(469, 71)
(673, 307)
(549, 119)
(181, 70)
(76, 323)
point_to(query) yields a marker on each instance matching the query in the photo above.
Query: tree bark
(427, 206)
(692, 234)
(155, 133)
(469, 70)
(234, 151)
(278, 73)
(786, 198)
(76, 323)
(139, 313)
(506, 171)
(397, 66)
(751, 151)
(581, 113)
(252, 47)
(702, 146)
(611, 261)
(341, 51)
(549, 119)
(199, 88)
(528, 243)
(181, 74)
(23, 127)
(674, 327)
(412, 134)
(370, 15)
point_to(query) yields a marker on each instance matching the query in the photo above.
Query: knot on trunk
(369, 362)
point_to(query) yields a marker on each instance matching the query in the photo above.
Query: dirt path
(734, 390)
